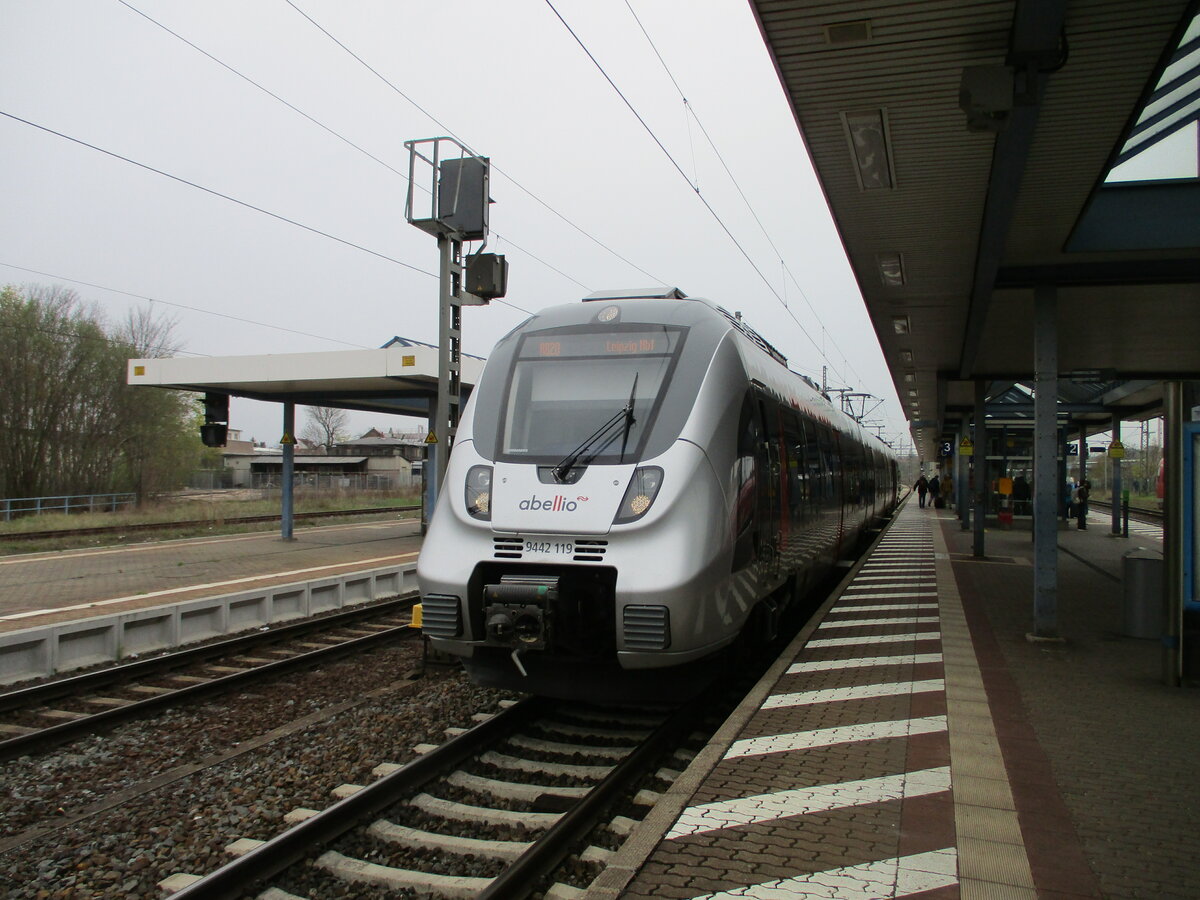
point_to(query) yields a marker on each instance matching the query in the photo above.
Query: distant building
(373, 461)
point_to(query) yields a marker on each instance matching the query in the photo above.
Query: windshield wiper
(563, 469)
(629, 419)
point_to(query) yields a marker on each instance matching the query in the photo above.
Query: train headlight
(639, 496)
(479, 492)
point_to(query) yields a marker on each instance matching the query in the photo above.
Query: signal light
(215, 430)
(214, 434)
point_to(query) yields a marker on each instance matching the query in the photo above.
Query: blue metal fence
(72, 503)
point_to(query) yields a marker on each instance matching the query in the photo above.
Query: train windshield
(566, 384)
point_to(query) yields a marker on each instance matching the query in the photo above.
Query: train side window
(812, 462)
(745, 483)
(747, 457)
(797, 481)
(831, 466)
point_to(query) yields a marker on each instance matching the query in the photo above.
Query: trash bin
(1142, 577)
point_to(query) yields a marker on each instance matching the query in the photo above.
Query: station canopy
(973, 152)
(401, 377)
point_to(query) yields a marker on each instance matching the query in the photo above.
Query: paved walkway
(913, 742)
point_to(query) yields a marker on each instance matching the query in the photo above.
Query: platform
(913, 742)
(48, 588)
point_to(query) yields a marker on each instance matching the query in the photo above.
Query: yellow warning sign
(1116, 450)
(966, 446)
(431, 438)
(287, 438)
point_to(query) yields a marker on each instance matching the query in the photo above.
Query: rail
(79, 685)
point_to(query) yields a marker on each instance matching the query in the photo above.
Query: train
(639, 482)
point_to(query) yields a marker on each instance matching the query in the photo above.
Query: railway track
(150, 527)
(1140, 514)
(533, 799)
(63, 710)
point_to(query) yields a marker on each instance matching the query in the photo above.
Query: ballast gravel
(182, 786)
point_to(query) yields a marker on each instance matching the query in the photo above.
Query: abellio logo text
(557, 503)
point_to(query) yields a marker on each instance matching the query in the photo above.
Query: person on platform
(935, 491)
(1021, 496)
(1081, 502)
(922, 487)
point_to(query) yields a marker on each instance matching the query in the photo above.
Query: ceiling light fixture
(906, 356)
(891, 269)
(867, 135)
(901, 324)
(855, 32)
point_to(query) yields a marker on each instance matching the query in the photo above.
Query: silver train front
(577, 584)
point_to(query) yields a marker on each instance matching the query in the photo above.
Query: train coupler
(518, 610)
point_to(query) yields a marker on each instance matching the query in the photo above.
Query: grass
(213, 511)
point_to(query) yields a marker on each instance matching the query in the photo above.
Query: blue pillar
(981, 484)
(1116, 477)
(289, 468)
(962, 488)
(1047, 484)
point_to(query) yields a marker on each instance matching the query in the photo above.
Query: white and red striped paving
(870, 768)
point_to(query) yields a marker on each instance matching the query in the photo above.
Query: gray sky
(507, 78)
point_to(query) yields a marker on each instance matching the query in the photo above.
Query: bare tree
(70, 423)
(326, 425)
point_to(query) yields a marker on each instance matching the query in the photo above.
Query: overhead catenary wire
(449, 131)
(712, 211)
(716, 151)
(198, 309)
(341, 137)
(215, 193)
(76, 336)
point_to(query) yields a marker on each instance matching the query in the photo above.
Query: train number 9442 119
(554, 548)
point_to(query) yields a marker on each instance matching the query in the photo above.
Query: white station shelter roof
(394, 379)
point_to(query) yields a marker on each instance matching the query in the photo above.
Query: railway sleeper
(536, 767)
(108, 702)
(462, 812)
(356, 870)
(391, 833)
(648, 720)
(538, 745)
(566, 729)
(510, 790)
(65, 715)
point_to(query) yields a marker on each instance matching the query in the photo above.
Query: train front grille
(441, 616)
(583, 549)
(590, 550)
(507, 547)
(646, 627)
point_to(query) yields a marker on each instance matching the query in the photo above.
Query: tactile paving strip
(840, 783)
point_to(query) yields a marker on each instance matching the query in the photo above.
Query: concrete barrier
(50, 649)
